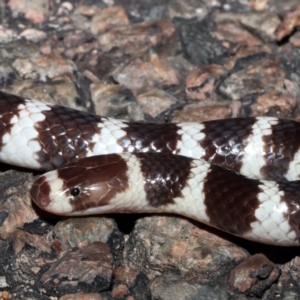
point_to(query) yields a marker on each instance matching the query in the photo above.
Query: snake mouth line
(92, 211)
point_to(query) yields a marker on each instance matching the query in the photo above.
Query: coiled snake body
(177, 168)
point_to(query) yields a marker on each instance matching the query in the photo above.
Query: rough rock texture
(159, 61)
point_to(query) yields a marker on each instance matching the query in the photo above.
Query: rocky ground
(159, 61)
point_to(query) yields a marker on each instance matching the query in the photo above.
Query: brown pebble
(274, 104)
(200, 83)
(119, 291)
(197, 113)
(254, 275)
(82, 296)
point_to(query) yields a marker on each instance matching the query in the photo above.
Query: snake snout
(40, 192)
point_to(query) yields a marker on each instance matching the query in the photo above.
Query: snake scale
(238, 175)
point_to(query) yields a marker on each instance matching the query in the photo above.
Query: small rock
(171, 286)
(15, 205)
(65, 8)
(112, 100)
(44, 66)
(200, 83)
(288, 286)
(61, 92)
(155, 102)
(187, 9)
(290, 21)
(36, 11)
(119, 291)
(136, 38)
(108, 18)
(254, 275)
(33, 35)
(205, 49)
(77, 39)
(261, 74)
(260, 24)
(160, 244)
(82, 296)
(88, 269)
(21, 49)
(204, 112)
(78, 232)
(233, 34)
(7, 35)
(295, 39)
(136, 281)
(274, 104)
(149, 71)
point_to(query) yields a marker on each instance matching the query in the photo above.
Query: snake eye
(75, 191)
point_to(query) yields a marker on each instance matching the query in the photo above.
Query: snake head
(87, 186)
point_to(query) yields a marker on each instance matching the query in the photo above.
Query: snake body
(184, 168)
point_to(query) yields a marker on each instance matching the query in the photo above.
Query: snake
(239, 175)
